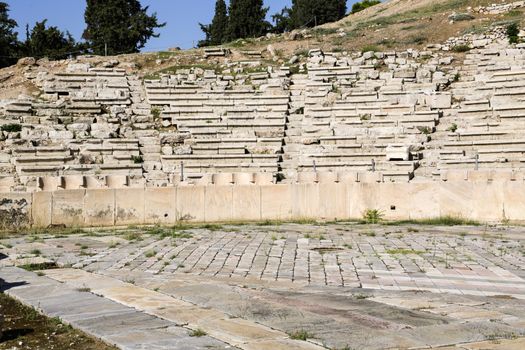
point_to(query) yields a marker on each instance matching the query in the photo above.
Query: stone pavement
(110, 321)
(343, 286)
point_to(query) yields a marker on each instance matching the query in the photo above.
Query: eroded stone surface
(363, 286)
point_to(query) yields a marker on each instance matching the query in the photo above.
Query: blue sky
(182, 17)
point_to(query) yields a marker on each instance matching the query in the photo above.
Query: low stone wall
(486, 202)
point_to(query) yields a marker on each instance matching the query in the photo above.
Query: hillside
(393, 25)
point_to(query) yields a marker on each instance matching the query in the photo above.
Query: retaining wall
(486, 202)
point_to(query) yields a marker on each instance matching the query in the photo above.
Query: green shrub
(137, 159)
(369, 48)
(155, 112)
(461, 48)
(301, 335)
(512, 32)
(360, 6)
(424, 130)
(197, 333)
(11, 127)
(372, 216)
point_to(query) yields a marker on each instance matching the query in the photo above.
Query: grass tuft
(301, 335)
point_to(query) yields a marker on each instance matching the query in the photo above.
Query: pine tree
(216, 32)
(50, 42)
(283, 21)
(309, 13)
(219, 25)
(9, 45)
(247, 19)
(123, 25)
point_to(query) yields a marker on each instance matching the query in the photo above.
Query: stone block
(129, 206)
(361, 197)
(332, 201)
(246, 203)
(42, 208)
(276, 202)
(218, 203)
(422, 200)
(68, 208)
(305, 201)
(190, 203)
(99, 207)
(455, 199)
(439, 101)
(397, 152)
(160, 205)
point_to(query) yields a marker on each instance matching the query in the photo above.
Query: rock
(167, 150)
(26, 61)
(173, 138)
(457, 17)
(315, 53)
(60, 135)
(293, 60)
(271, 50)
(110, 64)
(295, 35)
(368, 55)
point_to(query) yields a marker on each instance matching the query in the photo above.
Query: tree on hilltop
(9, 45)
(50, 42)
(216, 32)
(247, 19)
(123, 26)
(309, 13)
(360, 6)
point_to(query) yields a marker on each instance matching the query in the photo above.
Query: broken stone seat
(224, 149)
(7, 183)
(46, 160)
(493, 162)
(510, 110)
(18, 107)
(331, 157)
(83, 108)
(216, 52)
(510, 154)
(401, 167)
(255, 125)
(512, 75)
(211, 159)
(324, 74)
(41, 151)
(104, 145)
(374, 140)
(110, 149)
(253, 141)
(507, 88)
(39, 170)
(481, 135)
(205, 168)
(485, 144)
(239, 146)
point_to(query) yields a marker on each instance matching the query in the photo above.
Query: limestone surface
(257, 287)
